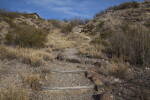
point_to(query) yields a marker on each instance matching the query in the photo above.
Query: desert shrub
(55, 23)
(26, 36)
(10, 22)
(100, 41)
(119, 69)
(65, 20)
(122, 6)
(89, 27)
(9, 37)
(77, 21)
(33, 81)
(106, 34)
(87, 20)
(125, 5)
(67, 28)
(8, 14)
(133, 43)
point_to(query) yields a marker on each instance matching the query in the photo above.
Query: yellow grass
(58, 41)
(94, 51)
(26, 55)
(33, 81)
(119, 69)
(14, 94)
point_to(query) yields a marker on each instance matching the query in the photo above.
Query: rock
(105, 97)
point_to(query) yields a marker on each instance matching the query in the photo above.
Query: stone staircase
(67, 80)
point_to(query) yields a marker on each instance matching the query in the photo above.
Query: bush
(26, 36)
(33, 81)
(67, 28)
(106, 34)
(122, 6)
(133, 43)
(119, 69)
(9, 37)
(55, 23)
(77, 21)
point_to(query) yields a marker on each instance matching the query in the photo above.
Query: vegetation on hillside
(122, 6)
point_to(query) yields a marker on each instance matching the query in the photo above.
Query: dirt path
(67, 80)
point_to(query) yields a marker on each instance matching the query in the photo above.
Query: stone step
(67, 94)
(66, 80)
(69, 72)
(69, 88)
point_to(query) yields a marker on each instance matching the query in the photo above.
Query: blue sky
(60, 9)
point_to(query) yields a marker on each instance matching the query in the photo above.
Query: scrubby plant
(33, 81)
(133, 43)
(26, 36)
(119, 69)
(77, 21)
(67, 28)
(9, 37)
(106, 34)
(55, 23)
(122, 6)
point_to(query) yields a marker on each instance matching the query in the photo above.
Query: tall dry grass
(33, 57)
(57, 41)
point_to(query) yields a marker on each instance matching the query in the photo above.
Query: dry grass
(29, 56)
(119, 69)
(14, 94)
(33, 81)
(57, 41)
(93, 51)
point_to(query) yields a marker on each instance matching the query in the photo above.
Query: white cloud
(70, 7)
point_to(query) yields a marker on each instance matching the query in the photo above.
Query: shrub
(89, 27)
(77, 21)
(26, 36)
(122, 6)
(100, 41)
(67, 28)
(9, 37)
(119, 69)
(55, 23)
(33, 81)
(133, 43)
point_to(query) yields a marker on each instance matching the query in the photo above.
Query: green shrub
(26, 36)
(9, 38)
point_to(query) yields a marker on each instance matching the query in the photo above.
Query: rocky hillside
(108, 58)
(123, 25)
